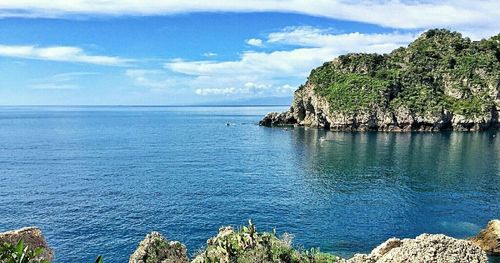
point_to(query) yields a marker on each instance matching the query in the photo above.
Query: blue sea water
(97, 179)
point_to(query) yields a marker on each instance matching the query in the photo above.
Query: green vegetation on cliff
(440, 71)
(20, 253)
(246, 245)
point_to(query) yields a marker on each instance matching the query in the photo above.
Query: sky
(165, 52)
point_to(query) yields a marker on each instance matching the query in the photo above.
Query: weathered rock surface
(32, 237)
(312, 110)
(424, 248)
(250, 246)
(489, 238)
(156, 249)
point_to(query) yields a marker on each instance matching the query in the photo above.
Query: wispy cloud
(467, 15)
(68, 76)
(60, 53)
(255, 42)
(54, 86)
(61, 81)
(155, 80)
(209, 54)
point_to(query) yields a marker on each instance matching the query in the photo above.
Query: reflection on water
(408, 183)
(97, 179)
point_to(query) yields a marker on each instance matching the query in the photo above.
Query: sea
(97, 179)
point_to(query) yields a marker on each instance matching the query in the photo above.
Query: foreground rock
(32, 237)
(489, 238)
(424, 248)
(441, 81)
(156, 249)
(248, 245)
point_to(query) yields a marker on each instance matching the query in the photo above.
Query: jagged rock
(156, 249)
(277, 119)
(223, 232)
(489, 238)
(424, 248)
(32, 237)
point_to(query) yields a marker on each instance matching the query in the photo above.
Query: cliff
(441, 81)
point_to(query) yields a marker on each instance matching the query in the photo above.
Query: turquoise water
(97, 179)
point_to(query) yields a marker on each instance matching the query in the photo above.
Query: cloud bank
(278, 73)
(463, 15)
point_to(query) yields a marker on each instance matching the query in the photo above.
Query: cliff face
(441, 81)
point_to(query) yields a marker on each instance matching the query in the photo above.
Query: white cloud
(156, 80)
(280, 72)
(286, 89)
(255, 42)
(215, 91)
(248, 89)
(60, 53)
(307, 36)
(209, 54)
(316, 49)
(258, 64)
(467, 15)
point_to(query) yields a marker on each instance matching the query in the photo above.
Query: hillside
(441, 81)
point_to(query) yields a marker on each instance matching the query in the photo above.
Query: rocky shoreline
(309, 109)
(247, 245)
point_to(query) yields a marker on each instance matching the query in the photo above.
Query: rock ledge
(424, 248)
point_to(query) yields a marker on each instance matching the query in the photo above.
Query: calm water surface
(97, 179)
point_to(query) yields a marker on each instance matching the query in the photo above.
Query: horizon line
(140, 105)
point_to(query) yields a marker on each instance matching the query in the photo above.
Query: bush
(20, 253)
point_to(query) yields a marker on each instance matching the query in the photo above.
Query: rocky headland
(248, 245)
(441, 81)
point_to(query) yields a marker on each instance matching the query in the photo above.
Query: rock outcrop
(424, 248)
(441, 81)
(489, 238)
(156, 249)
(32, 237)
(248, 245)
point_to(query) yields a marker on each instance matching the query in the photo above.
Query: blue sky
(91, 52)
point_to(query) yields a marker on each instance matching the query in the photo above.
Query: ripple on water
(96, 180)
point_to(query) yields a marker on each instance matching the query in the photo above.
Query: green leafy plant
(99, 260)
(247, 245)
(20, 253)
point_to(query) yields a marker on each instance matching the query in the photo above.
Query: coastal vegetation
(440, 81)
(20, 253)
(246, 245)
(439, 71)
